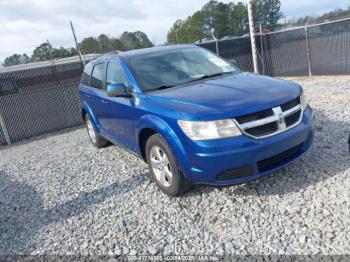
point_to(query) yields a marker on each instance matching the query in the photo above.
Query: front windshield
(175, 67)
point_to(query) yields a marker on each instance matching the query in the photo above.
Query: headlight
(303, 100)
(205, 130)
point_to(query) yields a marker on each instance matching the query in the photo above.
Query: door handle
(105, 101)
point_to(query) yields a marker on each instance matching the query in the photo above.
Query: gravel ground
(60, 195)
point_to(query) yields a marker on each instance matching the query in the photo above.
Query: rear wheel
(164, 168)
(96, 139)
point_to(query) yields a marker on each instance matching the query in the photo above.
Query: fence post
(262, 49)
(4, 129)
(217, 47)
(252, 37)
(308, 50)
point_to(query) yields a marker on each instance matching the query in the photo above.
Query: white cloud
(24, 24)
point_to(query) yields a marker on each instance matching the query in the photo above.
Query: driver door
(123, 109)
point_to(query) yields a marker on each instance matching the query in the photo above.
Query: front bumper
(240, 159)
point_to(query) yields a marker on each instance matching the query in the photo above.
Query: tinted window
(85, 78)
(97, 77)
(115, 74)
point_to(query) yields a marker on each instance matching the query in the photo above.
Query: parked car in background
(193, 117)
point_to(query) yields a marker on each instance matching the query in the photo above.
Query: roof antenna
(76, 44)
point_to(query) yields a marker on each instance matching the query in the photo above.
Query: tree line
(89, 45)
(221, 19)
(231, 19)
(224, 19)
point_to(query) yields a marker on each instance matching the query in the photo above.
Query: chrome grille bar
(278, 117)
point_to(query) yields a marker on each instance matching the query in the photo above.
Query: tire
(96, 139)
(165, 171)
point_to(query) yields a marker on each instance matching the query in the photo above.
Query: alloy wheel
(91, 131)
(161, 166)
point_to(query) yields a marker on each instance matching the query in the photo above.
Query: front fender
(163, 128)
(85, 106)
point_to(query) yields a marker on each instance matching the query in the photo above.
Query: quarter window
(97, 77)
(85, 79)
(115, 74)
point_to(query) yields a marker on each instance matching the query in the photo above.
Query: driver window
(115, 74)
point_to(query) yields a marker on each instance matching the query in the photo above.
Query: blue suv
(194, 117)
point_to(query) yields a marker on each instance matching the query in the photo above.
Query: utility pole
(252, 37)
(76, 44)
(308, 50)
(262, 49)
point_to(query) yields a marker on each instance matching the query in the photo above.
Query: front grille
(263, 130)
(254, 116)
(290, 104)
(278, 159)
(235, 173)
(271, 121)
(293, 118)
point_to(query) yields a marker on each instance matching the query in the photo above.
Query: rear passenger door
(97, 97)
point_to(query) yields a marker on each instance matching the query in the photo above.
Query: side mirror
(116, 89)
(233, 61)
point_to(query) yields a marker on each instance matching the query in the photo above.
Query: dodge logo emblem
(280, 118)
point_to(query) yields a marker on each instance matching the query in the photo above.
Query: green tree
(224, 19)
(134, 40)
(104, 44)
(267, 12)
(62, 52)
(189, 30)
(89, 45)
(16, 59)
(45, 51)
(128, 41)
(239, 19)
(116, 44)
(142, 38)
(42, 52)
(174, 32)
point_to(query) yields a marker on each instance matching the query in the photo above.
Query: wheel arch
(86, 110)
(150, 125)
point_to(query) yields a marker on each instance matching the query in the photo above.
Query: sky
(25, 24)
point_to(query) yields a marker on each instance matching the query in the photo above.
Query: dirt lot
(60, 195)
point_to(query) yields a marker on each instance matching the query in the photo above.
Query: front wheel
(164, 168)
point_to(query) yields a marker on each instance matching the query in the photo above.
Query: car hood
(228, 96)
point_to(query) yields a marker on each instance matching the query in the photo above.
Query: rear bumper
(240, 159)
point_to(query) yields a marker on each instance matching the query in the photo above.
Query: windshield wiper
(213, 75)
(209, 76)
(161, 87)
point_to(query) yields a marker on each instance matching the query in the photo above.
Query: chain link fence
(39, 98)
(43, 97)
(322, 49)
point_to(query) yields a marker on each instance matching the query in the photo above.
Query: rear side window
(85, 78)
(115, 74)
(97, 76)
